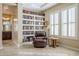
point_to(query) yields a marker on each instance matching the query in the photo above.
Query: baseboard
(69, 47)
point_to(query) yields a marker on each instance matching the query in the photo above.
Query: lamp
(15, 19)
(6, 18)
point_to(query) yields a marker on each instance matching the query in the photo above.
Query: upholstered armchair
(40, 39)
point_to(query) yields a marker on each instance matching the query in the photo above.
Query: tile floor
(28, 50)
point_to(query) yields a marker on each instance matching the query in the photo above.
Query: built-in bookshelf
(32, 22)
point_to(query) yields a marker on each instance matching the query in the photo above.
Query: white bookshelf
(30, 24)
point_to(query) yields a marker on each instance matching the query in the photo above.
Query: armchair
(40, 40)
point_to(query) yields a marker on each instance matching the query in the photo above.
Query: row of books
(28, 27)
(32, 17)
(32, 22)
(28, 17)
(28, 32)
(39, 27)
(28, 22)
(27, 38)
(34, 13)
(32, 27)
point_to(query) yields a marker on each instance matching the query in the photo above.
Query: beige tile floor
(10, 49)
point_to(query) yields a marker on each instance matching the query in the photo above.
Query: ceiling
(10, 4)
(9, 9)
(37, 6)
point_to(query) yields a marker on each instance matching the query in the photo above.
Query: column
(20, 13)
(0, 26)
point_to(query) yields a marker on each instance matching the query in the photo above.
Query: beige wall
(0, 26)
(65, 41)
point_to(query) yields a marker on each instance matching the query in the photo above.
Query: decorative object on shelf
(46, 23)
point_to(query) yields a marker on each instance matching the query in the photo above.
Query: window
(68, 22)
(64, 23)
(71, 22)
(54, 24)
(51, 24)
